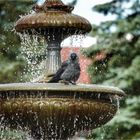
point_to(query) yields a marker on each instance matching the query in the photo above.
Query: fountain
(55, 110)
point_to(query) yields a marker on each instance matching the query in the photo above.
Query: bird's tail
(53, 80)
(50, 81)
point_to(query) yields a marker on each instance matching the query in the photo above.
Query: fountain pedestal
(54, 59)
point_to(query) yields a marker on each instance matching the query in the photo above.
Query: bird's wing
(77, 75)
(78, 67)
(58, 74)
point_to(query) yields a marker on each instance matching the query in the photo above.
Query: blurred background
(114, 56)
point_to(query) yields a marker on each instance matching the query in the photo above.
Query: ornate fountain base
(56, 110)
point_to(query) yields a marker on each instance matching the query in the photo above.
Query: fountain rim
(62, 87)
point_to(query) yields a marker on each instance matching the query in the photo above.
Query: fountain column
(53, 57)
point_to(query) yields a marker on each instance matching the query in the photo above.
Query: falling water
(74, 41)
(118, 103)
(77, 40)
(33, 52)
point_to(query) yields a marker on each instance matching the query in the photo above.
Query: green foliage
(125, 125)
(10, 66)
(118, 42)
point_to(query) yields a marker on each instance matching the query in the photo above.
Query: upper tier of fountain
(53, 14)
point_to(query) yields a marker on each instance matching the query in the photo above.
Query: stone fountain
(55, 111)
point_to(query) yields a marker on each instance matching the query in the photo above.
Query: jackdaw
(69, 71)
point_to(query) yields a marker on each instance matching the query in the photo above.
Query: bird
(69, 71)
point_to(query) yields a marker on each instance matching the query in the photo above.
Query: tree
(11, 66)
(118, 44)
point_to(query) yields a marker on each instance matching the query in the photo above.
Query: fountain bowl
(55, 110)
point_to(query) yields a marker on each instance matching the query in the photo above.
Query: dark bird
(69, 71)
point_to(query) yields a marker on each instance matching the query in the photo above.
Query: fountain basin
(51, 110)
(43, 23)
(52, 18)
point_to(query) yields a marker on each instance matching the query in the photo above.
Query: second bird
(69, 71)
